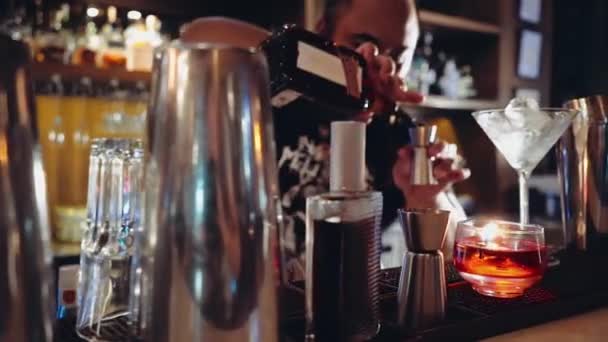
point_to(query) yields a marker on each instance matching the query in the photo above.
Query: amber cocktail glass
(499, 258)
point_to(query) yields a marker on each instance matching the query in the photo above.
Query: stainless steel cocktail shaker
(582, 169)
(208, 243)
(25, 258)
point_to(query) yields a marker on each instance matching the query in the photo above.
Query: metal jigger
(422, 136)
(422, 292)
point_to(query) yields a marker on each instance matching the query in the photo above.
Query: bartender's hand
(445, 171)
(387, 87)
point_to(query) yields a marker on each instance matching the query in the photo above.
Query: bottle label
(323, 64)
(67, 285)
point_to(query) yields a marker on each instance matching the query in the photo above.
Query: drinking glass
(114, 209)
(500, 258)
(524, 136)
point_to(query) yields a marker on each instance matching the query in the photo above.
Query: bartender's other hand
(387, 87)
(445, 171)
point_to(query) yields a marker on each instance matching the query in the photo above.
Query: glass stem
(524, 204)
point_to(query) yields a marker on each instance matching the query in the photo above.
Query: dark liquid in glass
(346, 270)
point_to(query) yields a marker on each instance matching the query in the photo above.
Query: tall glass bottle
(80, 136)
(51, 119)
(51, 43)
(343, 246)
(113, 55)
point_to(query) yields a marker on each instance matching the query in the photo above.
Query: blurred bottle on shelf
(141, 40)
(69, 213)
(51, 121)
(113, 54)
(18, 25)
(87, 43)
(71, 35)
(77, 112)
(434, 72)
(456, 83)
(51, 43)
(421, 76)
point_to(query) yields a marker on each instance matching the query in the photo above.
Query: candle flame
(489, 233)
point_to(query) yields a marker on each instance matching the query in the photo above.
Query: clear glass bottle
(53, 131)
(140, 42)
(80, 136)
(86, 45)
(343, 246)
(113, 55)
(51, 43)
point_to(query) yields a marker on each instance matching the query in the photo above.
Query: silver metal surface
(583, 172)
(424, 229)
(208, 248)
(422, 137)
(25, 258)
(422, 294)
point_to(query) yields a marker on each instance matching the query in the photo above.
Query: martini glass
(524, 136)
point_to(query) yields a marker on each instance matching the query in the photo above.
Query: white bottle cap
(347, 156)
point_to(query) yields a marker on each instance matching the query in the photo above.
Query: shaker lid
(347, 156)
(423, 135)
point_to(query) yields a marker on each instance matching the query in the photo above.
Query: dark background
(580, 50)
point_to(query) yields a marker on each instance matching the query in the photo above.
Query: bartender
(385, 33)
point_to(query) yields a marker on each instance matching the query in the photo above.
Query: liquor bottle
(51, 43)
(77, 111)
(52, 123)
(87, 43)
(140, 43)
(343, 246)
(305, 66)
(113, 56)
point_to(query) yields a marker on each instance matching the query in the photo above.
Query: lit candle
(489, 235)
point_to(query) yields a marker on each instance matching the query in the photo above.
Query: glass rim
(132, 147)
(115, 140)
(542, 109)
(524, 228)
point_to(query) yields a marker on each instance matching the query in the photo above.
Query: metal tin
(210, 225)
(25, 259)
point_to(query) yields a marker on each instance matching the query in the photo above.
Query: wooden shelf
(41, 71)
(444, 103)
(457, 23)
(178, 8)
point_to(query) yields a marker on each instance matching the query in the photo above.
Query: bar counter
(565, 298)
(591, 326)
(570, 303)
